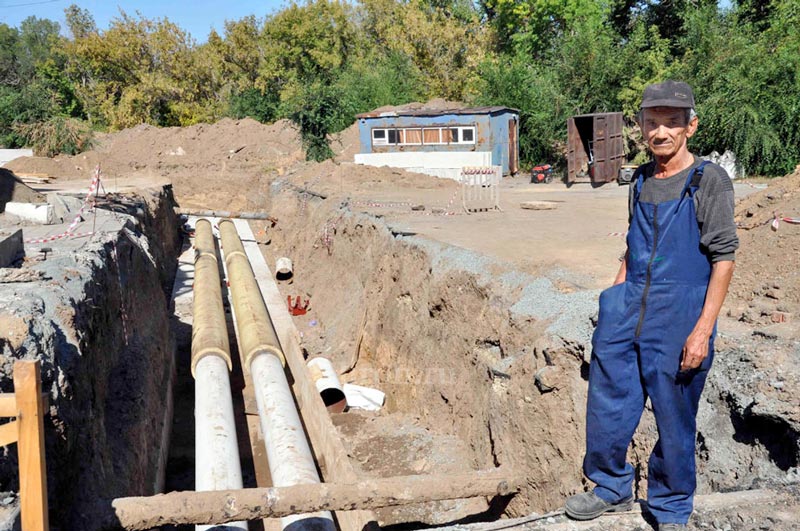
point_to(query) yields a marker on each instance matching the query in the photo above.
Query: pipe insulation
(217, 465)
(290, 459)
(256, 331)
(209, 329)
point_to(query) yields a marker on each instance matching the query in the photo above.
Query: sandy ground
(469, 297)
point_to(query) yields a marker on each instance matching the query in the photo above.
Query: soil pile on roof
(766, 285)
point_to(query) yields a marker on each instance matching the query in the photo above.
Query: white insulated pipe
(217, 465)
(290, 458)
(327, 382)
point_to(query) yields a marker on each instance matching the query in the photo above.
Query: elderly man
(656, 327)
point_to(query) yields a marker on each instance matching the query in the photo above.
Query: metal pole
(217, 465)
(290, 458)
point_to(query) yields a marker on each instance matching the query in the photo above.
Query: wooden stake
(32, 472)
(219, 507)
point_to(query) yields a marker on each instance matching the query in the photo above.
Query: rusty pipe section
(217, 465)
(209, 330)
(256, 331)
(290, 459)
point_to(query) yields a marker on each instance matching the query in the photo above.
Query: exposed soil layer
(220, 166)
(766, 287)
(488, 365)
(97, 318)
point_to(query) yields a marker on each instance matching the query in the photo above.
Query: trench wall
(498, 359)
(98, 320)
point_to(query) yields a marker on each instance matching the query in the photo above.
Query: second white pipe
(217, 465)
(290, 458)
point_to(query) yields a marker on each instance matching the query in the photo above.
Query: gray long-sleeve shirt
(713, 201)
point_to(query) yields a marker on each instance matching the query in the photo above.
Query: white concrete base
(446, 165)
(42, 213)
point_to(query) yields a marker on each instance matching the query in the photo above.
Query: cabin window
(414, 136)
(379, 137)
(432, 136)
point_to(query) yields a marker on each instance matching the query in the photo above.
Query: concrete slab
(11, 248)
(42, 213)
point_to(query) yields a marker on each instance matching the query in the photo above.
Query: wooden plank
(9, 433)
(325, 442)
(32, 472)
(222, 506)
(9, 408)
(8, 405)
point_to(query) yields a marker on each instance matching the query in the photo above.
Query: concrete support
(290, 458)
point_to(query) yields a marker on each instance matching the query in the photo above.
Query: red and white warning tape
(384, 204)
(78, 217)
(617, 234)
(478, 170)
(776, 221)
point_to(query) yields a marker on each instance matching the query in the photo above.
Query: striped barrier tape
(393, 204)
(617, 234)
(78, 217)
(385, 204)
(478, 170)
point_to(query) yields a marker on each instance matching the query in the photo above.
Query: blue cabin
(440, 142)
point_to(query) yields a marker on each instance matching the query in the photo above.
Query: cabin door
(513, 147)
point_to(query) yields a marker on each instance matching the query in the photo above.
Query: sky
(197, 17)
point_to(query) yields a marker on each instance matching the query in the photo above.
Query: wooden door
(513, 147)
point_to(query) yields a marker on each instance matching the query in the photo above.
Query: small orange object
(297, 308)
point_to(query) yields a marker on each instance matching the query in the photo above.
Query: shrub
(56, 135)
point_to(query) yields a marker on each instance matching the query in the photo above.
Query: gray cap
(668, 94)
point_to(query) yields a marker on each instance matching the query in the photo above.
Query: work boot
(589, 505)
(673, 527)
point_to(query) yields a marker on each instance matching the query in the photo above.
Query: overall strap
(693, 180)
(637, 180)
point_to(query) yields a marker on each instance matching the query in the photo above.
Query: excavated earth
(95, 312)
(483, 365)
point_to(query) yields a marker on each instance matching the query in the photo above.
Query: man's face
(666, 130)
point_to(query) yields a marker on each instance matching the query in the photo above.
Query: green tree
(142, 71)
(80, 22)
(9, 68)
(534, 90)
(37, 38)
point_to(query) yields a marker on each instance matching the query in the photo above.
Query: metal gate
(480, 188)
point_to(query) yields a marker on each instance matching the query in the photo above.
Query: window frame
(400, 135)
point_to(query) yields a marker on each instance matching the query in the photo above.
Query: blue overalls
(637, 348)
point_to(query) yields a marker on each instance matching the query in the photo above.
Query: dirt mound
(766, 285)
(345, 144)
(13, 189)
(219, 165)
(344, 179)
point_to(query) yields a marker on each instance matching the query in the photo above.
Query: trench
(482, 366)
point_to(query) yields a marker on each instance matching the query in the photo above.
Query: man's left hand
(695, 350)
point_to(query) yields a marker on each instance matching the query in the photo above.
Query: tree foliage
(320, 62)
